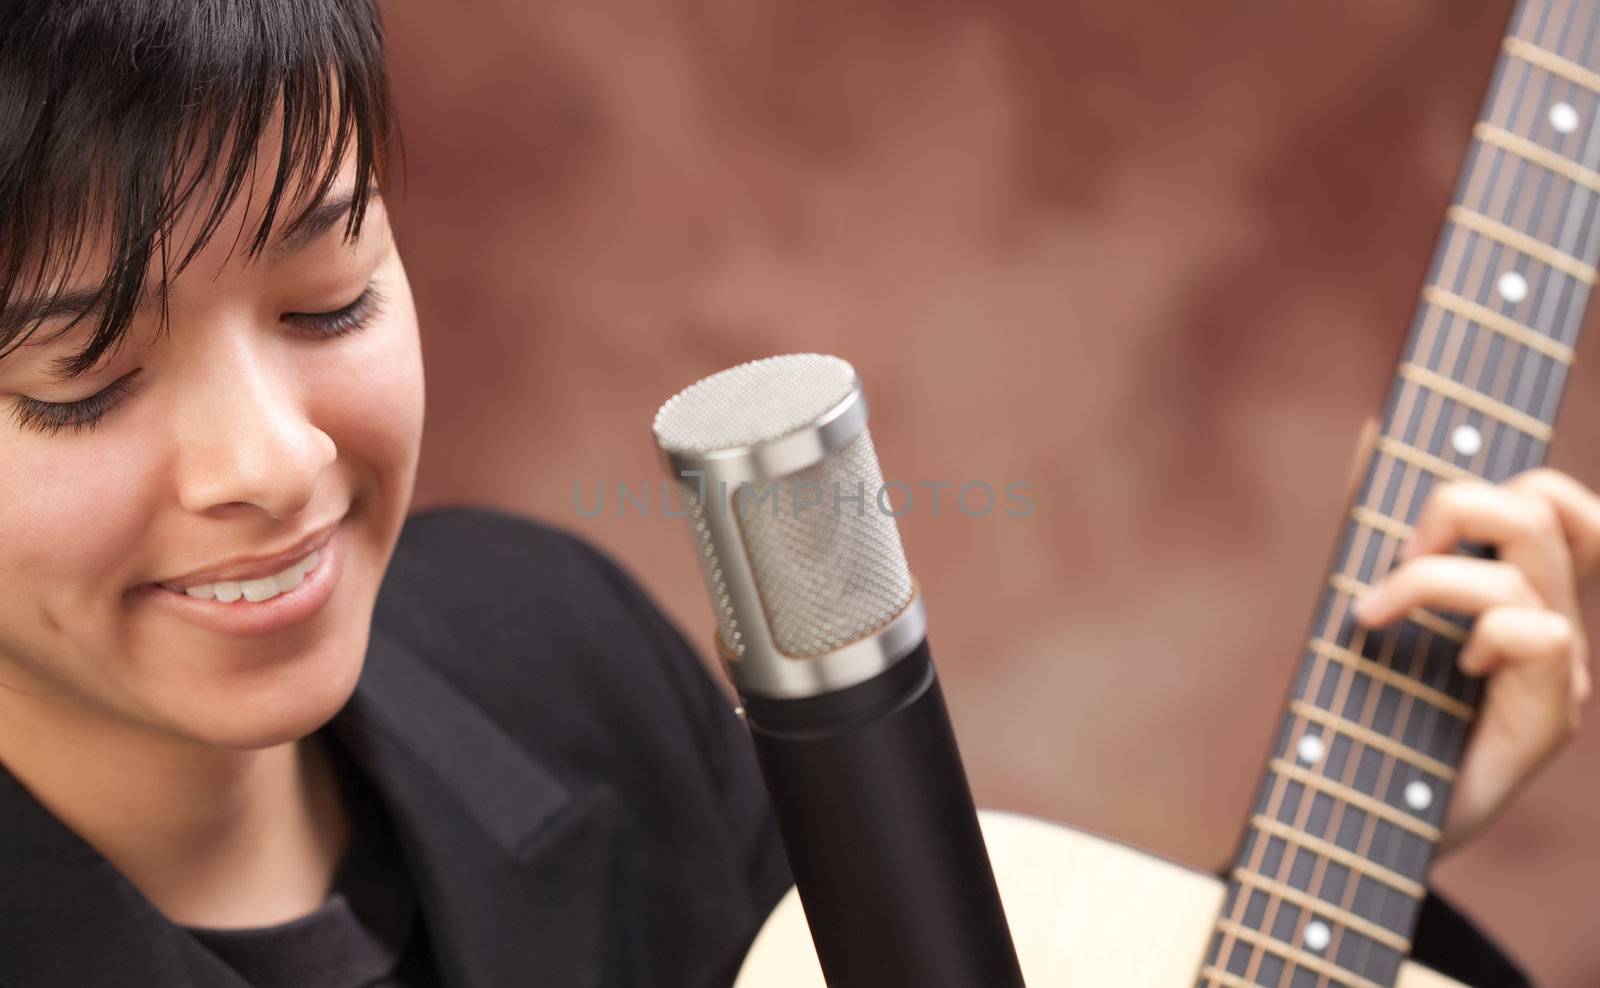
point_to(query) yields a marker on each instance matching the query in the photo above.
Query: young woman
(260, 727)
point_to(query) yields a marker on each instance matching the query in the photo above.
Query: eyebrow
(305, 231)
(74, 304)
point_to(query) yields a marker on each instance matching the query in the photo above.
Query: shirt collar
(494, 843)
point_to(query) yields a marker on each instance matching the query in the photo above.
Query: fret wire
(1351, 587)
(1564, 231)
(1300, 958)
(1421, 459)
(1332, 822)
(1525, 97)
(1505, 174)
(1355, 797)
(1565, 328)
(1494, 166)
(1333, 852)
(1474, 399)
(1452, 392)
(1587, 48)
(1434, 464)
(1523, 372)
(1372, 739)
(1546, 286)
(1400, 681)
(1381, 522)
(1553, 64)
(1310, 903)
(1428, 664)
(1436, 406)
(1448, 381)
(1520, 242)
(1336, 792)
(1504, 325)
(1543, 157)
(1572, 194)
(1522, 377)
(1225, 979)
(1561, 305)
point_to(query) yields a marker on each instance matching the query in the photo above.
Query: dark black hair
(116, 114)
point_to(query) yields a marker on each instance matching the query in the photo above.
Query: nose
(246, 435)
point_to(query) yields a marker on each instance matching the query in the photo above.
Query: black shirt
(368, 934)
(573, 800)
(561, 797)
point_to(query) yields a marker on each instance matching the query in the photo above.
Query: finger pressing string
(1578, 509)
(1449, 583)
(1485, 522)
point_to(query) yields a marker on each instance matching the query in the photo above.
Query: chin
(272, 706)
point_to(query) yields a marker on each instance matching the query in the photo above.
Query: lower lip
(243, 619)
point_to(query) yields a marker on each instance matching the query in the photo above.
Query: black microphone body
(823, 632)
(882, 834)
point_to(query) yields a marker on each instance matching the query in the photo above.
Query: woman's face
(249, 425)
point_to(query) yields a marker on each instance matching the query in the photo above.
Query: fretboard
(1332, 868)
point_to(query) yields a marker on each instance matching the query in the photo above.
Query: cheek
(371, 399)
(75, 515)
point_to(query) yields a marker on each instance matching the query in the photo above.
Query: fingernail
(1366, 606)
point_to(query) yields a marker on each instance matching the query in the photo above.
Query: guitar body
(1084, 910)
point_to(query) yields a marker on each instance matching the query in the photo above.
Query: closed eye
(85, 414)
(344, 319)
(51, 417)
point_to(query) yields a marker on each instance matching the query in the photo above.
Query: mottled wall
(1155, 260)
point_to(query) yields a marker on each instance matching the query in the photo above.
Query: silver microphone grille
(753, 403)
(782, 484)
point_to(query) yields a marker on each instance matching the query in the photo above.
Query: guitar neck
(1332, 867)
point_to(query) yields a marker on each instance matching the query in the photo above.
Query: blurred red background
(1154, 260)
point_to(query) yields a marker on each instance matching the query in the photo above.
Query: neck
(1335, 858)
(211, 836)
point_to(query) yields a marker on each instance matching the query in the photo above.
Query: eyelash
(50, 418)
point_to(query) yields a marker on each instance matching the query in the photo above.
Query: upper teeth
(254, 591)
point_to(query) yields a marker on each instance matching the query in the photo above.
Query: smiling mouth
(249, 609)
(256, 590)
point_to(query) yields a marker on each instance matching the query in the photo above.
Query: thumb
(1364, 445)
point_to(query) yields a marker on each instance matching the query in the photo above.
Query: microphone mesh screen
(830, 570)
(752, 403)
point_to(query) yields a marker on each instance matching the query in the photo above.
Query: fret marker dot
(1310, 749)
(1564, 118)
(1318, 935)
(1466, 440)
(1512, 287)
(1418, 796)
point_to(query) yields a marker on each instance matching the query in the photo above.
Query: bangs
(119, 116)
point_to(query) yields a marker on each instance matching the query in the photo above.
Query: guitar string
(1279, 787)
(1292, 733)
(1473, 257)
(1522, 116)
(1499, 429)
(1527, 370)
(1381, 477)
(1477, 256)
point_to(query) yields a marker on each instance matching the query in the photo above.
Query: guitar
(1067, 932)
(1331, 869)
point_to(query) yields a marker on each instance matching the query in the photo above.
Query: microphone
(822, 630)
